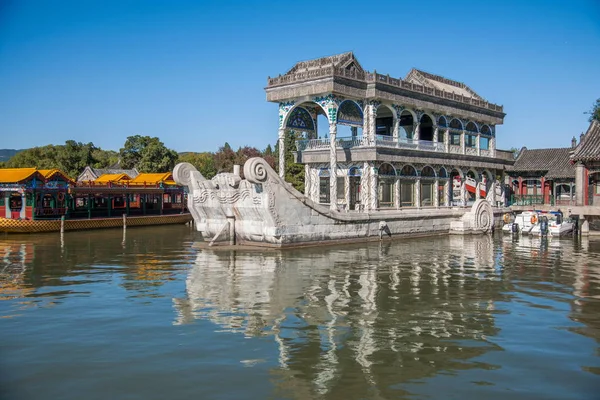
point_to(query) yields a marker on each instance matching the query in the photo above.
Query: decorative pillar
(492, 147)
(417, 129)
(435, 134)
(478, 145)
(332, 167)
(23, 205)
(580, 185)
(462, 141)
(347, 191)
(418, 193)
(447, 140)
(307, 183)
(397, 193)
(365, 179)
(436, 196)
(373, 188)
(447, 187)
(396, 131)
(281, 153)
(463, 191)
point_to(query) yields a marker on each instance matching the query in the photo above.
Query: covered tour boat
(33, 200)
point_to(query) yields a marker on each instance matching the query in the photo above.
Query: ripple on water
(158, 312)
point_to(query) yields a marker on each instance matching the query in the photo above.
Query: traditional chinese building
(91, 174)
(421, 141)
(586, 158)
(543, 177)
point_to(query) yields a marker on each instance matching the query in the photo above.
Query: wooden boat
(34, 200)
(8, 225)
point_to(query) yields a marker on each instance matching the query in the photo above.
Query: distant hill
(6, 154)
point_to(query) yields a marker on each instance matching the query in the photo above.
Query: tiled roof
(551, 163)
(112, 178)
(440, 83)
(338, 60)
(589, 148)
(15, 175)
(151, 179)
(101, 171)
(49, 173)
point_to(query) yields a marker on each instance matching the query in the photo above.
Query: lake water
(158, 315)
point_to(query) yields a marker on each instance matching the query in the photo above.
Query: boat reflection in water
(442, 317)
(365, 318)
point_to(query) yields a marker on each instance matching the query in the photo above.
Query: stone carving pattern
(483, 216)
(257, 171)
(372, 188)
(398, 109)
(284, 108)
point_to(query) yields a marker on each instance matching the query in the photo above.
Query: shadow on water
(472, 317)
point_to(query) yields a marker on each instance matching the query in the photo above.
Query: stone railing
(331, 71)
(375, 77)
(363, 141)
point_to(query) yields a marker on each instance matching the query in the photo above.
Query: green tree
(74, 156)
(147, 154)
(43, 157)
(294, 172)
(204, 162)
(225, 158)
(594, 112)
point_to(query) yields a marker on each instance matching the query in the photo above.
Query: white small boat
(553, 223)
(521, 223)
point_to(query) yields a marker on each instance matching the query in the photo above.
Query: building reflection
(40, 266)
(341, 318)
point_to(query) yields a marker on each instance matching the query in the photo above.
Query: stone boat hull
(38, 226)
(263, 209)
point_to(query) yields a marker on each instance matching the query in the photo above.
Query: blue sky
(193, 73)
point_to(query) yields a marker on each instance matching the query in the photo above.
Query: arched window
(387, 182)
(408, 177)
(324, 194)
(428, 191)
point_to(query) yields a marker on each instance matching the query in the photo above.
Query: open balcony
(383, 141)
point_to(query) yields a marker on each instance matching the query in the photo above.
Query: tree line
(149, 154)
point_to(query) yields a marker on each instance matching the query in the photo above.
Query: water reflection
(347, 320)
(376, 320)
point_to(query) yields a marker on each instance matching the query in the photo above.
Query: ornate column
(373, 195)
(447, 140)
(365, 179)
(478, 144)
(418, 193)
(463, 191)
(580, 184)
(417, 129)
(492, 145)
(307, 182)
(347, 191)
(436, 197)
(372, 111)
(281, 153)
(462, 141)
(447, 193)
(435, 134)
(397, 193)
(396, 128)
(332, 166)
